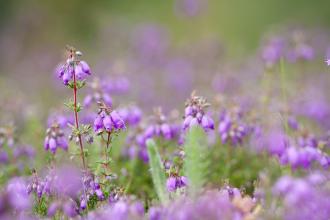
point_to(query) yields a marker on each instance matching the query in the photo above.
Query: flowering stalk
(73, 72)
(77, 120)
(108, 121)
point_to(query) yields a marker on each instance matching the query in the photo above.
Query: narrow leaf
(157, 171)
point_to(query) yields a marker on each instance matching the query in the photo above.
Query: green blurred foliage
(239, 23)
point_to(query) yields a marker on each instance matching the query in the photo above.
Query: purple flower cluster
(15, 202)
(59, 118)
(304, 157)
(136, 146)
(73, 67)
(301, 151)
(175, 182)
(301, 49)
(232, 128)
(306, 139)
(123, 209)
(117, 85)
(98, 94)
(210, 205)
(151, 43)
(107, 120)
(195, 115)
(68, 207)
(272, 51)
(40, 186)
(18, 196)
(304, 198)
(293, 48)
(91, 187)
(131, 115)
(160, 127)
(55, 138)
(24, 151)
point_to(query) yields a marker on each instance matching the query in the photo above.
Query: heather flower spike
(231, 127)
(98, 94)
(175, 182)
(73, 68)
(55, 139)
(195, 113)
(107, 120)
(159, 126)
(73, 73)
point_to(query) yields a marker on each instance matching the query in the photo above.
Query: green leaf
(157, 171)
(70, 105)
(79, 107)
(81, 84)
(70, 85)
(195, 164)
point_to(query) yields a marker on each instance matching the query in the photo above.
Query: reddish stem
(108, 143)
(76, 119)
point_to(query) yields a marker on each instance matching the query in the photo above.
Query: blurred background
(142, 40)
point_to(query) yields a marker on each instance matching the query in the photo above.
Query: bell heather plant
(269, 157)
(73, 73)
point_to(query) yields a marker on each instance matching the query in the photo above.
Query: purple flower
(195, 115)
(85, 67)
(232, 128)
(70, 209)
(171, 184)
(4, 158)
(83, 204)
(207, 122)
(273, 51)
(183, 181)
(98, 93)
(88, 100)
(52, 209)
(210, 205)
(68, 181)
(159, 126)
(107, 123)
(327, 62)
(301, 198)
(166, 131)
(175, 182)
(118, 122)
(107, 120)
(52, 145)
(98, 124)
(18, 196)
(55, 138)
(116, 85)
(132, 115)
(73, 66)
